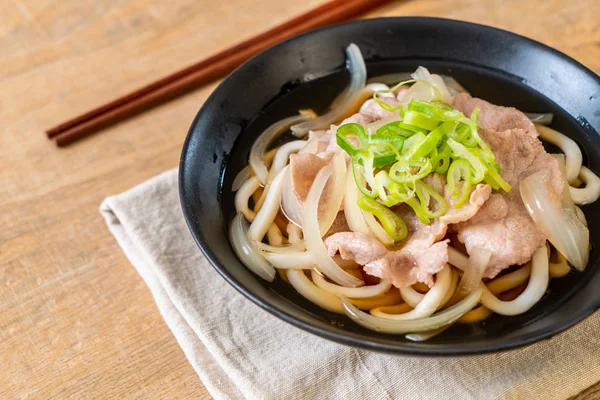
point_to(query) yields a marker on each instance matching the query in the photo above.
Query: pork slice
(373, 110)
(503, 225)
(493, 117)
(303, 170)
(339, 224)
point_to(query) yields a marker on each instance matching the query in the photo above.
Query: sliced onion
(259, 148)
(540, 119)
(453, 86)
(435, 321)
(240, 178)
(298, 260)
(335, 194)
(292, 248)
(243, 196)
(269, 209)
(411, 296)
(561, 226)
(247, 251)
(451, 289)
(312, 235)
(355, 293)
(431, 300)
(419, 91)
(458, 259)
(289, 202)
(568, 146)
(358, 78)
(318, 296)
(376, 229)
(479, 259)
(591, 192)
(538, 283)
(581, 216)
(352, 212)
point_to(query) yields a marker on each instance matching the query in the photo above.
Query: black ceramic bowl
(308, 72)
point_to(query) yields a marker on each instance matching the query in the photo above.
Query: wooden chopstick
(205, 71)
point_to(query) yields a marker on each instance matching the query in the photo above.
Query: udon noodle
(273, 231)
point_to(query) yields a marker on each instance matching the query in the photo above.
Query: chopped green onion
(410, 170)
(477, 166)
(350, 130)
(399, 128)
(433, 204)
(459, 180)
(363, 178)
(421, 120)
(434, 110)
(441, 160)
(433, 139)
(393, 225)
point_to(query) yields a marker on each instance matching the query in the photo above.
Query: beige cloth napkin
(240, 351)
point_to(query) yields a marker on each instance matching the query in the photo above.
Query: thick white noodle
(318, 296)
(243, 196)
(268, 211)
(295, 247)
(312, 236)
(355, 293)
(298, 260)
(256, 159)
(283, 155)
(538, 283)
(430, 302)
(294, 233)
(411, 296)
(247, 251)
(435, 321)
(568, 146)
(274, 236)
(590, 192)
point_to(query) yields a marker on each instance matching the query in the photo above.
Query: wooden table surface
(76, 321)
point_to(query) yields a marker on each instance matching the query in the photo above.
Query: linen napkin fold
(242, 352)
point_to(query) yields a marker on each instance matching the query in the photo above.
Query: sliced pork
(503, 225)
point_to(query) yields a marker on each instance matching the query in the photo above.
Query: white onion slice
(538, 283)
(243, 196)
(435, 321)
(478, 261)
(240, 178)
(561, 226)
(377, 229)
(411, 296)
(335, 195)
(312, 235)
(430, 302)
(568, 146)
(298, 260)
(541, 118)
(269, 209)
(259, 147)
(352, 212)
(591, 191)
(247, 251)
(308, 290)
(358, 78)
(458, 259)
(290, 206)
(355, 293)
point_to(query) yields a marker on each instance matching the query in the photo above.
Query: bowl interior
(308, 73)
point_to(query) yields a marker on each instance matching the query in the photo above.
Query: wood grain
(75, 319)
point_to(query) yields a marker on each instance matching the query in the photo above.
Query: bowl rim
(350, 338)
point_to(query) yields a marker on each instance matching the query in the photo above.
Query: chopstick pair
(208, 70)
